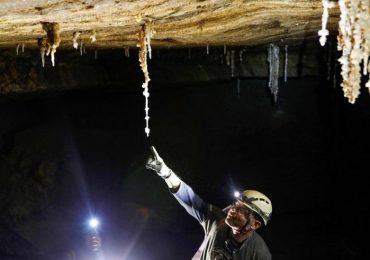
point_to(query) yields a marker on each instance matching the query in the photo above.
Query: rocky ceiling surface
(186, 23)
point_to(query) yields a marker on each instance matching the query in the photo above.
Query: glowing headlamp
(236, 194)
(94, 223)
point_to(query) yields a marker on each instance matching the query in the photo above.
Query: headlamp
(236, 194)
(94, 223)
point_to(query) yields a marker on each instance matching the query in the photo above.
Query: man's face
(238, 215)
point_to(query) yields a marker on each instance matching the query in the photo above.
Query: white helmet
(257, 202)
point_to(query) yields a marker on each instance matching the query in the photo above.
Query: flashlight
(236, 194)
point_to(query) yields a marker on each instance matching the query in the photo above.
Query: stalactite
(52, 38)
(41, 43)
(127, 52)
(286, 64)
(354, 42)
(324, 20)
(232, 58)
(22, 47)
(75, 38)
(224, 49)
(365, 20)
(227, 58)
(273, 60)
(149, 33)
(17, 49)
(81, 46)
(93, 36)
(207, 49)
(143, 52)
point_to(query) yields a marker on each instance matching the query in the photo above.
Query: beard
(237, 224)
(233, 221)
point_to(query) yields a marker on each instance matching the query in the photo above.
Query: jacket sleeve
(193, 204)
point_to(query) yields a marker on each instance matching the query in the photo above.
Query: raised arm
(184, 194)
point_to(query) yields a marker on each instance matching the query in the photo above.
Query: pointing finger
(154, 151)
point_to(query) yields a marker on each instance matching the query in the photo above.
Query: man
(227, 236)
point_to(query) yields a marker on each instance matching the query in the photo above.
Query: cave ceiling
(178, 24)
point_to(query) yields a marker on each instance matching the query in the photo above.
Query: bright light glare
(94, 222)
(236, 194)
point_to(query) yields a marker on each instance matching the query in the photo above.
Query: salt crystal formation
(273, 60)
(354, 42)
(324, 20)
(93, 36)
(144, 37)
(74, 39)
(286, 64)
(52, 39)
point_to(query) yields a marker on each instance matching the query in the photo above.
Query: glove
(156, 163)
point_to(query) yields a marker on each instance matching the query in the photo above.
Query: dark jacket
(217, 233)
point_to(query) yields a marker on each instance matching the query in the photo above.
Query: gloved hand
(156, 163)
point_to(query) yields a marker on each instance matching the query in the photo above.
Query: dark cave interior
(68, 153)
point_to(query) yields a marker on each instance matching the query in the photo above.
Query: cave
(75, 133)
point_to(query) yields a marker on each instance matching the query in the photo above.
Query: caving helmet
(258, 203)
